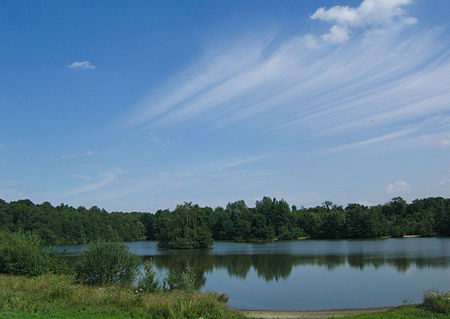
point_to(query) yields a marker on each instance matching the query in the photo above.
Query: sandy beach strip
(269, 314)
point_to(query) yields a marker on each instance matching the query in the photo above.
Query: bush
(23, 254)
(149, 281)
(183, 281)
(437, 302)
(107, 263)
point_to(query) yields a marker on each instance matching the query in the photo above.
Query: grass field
(58, 297)
(404, 312)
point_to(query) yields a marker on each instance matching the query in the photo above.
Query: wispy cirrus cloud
(370, 80)
(107, 179)
(214, 68)
(71, 156)
(370, 141)
(80, 176)
(117, 185)
(81, 65)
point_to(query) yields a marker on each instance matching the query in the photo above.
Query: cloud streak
(374, 71)
(81, 65)
(71, 156)
(107, 179)
(378, 139)
(155, 186)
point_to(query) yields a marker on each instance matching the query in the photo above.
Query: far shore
(303, 314)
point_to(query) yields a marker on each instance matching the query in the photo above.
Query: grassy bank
(57, 296)
(435, 306)
(404, 312)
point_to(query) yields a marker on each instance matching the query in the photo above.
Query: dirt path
(309, 314)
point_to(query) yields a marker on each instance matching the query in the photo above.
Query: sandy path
(309, 314)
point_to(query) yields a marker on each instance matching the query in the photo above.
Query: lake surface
(311, 274)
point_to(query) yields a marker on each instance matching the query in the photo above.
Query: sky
(143, 105)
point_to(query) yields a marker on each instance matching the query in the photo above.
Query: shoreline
(303, 314)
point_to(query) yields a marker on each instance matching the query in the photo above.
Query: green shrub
(149, 282)
(107, 263)
(183, 281)
(437, 302)
(23, 254)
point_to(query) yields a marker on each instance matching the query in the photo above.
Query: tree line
(192, 226)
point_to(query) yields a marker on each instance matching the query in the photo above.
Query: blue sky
(142, 105)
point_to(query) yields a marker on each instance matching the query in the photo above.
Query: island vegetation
(192, 226)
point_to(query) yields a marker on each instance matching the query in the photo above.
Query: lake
(311, 274)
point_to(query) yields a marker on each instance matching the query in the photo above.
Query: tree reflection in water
(273, 267)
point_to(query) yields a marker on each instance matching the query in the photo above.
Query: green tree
(186, 228)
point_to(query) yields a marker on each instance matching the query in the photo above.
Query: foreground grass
(57, 296)
(75, 315)
(404, 312)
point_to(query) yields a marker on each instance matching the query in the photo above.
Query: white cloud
(85, 154)
(371, 82)
(365, 203)
(397, 187)
(410, 21)
(84, 65)
(336, 35)
(312, 42)
(369, 12)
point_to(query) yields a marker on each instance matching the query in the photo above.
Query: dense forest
(192, 226)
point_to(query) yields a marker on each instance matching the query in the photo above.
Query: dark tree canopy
(192, 226)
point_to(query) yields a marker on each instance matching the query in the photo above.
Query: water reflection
(273, 267)
(309, 274)
(275, 261)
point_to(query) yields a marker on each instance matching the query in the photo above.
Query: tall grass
(438, 302)
(59, 294)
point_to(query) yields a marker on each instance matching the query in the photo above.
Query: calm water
(312, 274)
